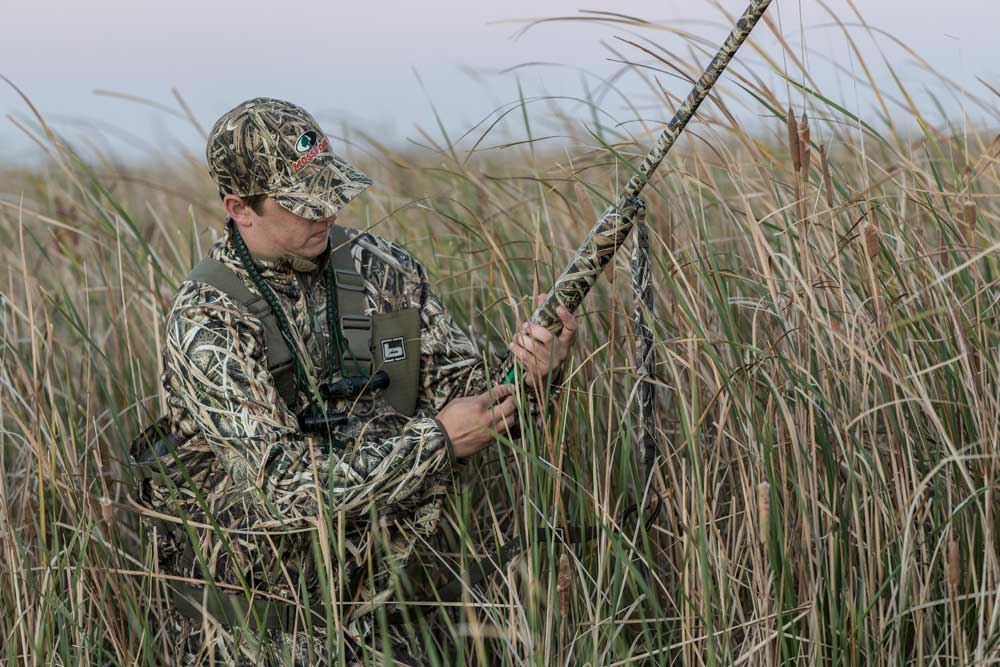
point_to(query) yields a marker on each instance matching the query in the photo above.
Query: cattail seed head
(106, 514)
(871, 249)
(954, 564)
(793, 140)
(871, 242)
(763, 510)
(804, 147)
(827, 180)
(969, 228)
(562, 586)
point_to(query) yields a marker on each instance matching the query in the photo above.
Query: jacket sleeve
(216, 374)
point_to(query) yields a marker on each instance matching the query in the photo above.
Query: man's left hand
(536, 348)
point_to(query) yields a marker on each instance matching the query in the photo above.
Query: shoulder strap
(279, 357)
(351, 304)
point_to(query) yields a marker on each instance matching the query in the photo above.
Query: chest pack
(387, 342)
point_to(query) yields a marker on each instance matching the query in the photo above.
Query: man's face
(276, 231)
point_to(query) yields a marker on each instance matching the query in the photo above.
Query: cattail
(65, 213)
(969, 217)
(871, 243)
(954, 564)
(106, 513)
(763, 510)
(563, 585)
(804, 147)
(793, 140)
(871, 249)
(827, 180)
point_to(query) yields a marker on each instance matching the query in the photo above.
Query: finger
(570, 325)
(497, 393)
(525, 341)
(540, 367)
(502, 422)
(519, 352)
(503, 405)
(533, 363)
(504, 410)
(527, 358)
(541, 350)
(508, 424)
(540, 299)
(538, 332)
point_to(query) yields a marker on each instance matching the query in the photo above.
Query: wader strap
(351, 305)
(279, 357)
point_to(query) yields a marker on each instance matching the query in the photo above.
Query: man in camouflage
(245, 497)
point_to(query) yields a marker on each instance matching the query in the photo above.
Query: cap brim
(327, 185)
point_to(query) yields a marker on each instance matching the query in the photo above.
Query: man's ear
(237, 209)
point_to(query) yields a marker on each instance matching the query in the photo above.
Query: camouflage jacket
(277, 509)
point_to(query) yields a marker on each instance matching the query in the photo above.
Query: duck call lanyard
(336, 342)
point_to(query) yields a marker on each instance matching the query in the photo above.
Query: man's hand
(471, 421)
(536, 348)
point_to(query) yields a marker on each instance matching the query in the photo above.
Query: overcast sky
(359, 62)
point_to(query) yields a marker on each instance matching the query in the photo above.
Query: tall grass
(826, 330)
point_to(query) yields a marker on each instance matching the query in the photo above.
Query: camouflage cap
(272, 147)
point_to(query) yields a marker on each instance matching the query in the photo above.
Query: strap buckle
(358, 335)
(349, 280)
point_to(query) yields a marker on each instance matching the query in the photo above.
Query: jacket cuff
(447, 442)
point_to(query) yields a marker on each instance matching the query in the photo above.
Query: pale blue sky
(356, 62)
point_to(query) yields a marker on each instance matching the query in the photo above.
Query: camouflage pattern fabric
(270, 508)
(268, 146)
(643, 347)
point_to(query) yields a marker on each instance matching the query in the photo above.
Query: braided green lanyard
(336, 337)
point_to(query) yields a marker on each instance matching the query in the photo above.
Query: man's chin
(316, 246)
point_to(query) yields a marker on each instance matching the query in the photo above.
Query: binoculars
(314, 419)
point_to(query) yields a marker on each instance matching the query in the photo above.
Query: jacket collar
(280, 272)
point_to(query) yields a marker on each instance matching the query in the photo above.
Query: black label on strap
(393, 350)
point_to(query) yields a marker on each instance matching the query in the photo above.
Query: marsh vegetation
(826, 330)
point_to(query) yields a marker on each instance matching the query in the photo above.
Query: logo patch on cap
(305, 142)
(393, 350)
(311, 155)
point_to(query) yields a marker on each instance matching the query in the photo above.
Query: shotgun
(615, 224)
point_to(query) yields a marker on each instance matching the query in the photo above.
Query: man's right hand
(471, 421)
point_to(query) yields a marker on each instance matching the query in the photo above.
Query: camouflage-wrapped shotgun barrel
(615, 224)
